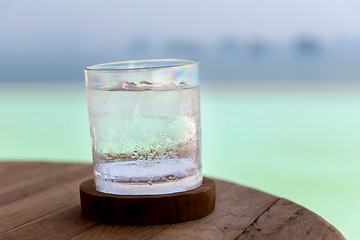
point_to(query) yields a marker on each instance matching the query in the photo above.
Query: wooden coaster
(147, 209)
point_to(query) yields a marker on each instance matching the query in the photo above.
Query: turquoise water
(301, 145)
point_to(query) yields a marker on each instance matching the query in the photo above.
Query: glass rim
(105, 66)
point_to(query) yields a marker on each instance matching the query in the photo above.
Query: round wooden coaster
(147, 209)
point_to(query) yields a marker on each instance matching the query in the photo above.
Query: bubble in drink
(145, 137)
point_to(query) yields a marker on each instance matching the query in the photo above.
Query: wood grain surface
(40, 200)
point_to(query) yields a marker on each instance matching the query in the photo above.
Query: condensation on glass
(145, 126)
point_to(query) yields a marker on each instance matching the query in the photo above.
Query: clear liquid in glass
(145, 138)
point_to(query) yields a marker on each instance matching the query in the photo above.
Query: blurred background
(280, 86)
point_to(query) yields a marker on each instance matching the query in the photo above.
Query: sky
(41, 36)
(26, 23)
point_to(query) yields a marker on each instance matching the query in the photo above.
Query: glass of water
(145, 126)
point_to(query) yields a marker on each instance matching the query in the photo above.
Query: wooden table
(41, 200)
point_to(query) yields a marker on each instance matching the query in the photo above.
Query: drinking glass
(145, 126)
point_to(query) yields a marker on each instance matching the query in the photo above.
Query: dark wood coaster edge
(147, 209)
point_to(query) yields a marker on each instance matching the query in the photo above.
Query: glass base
(131, 179)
